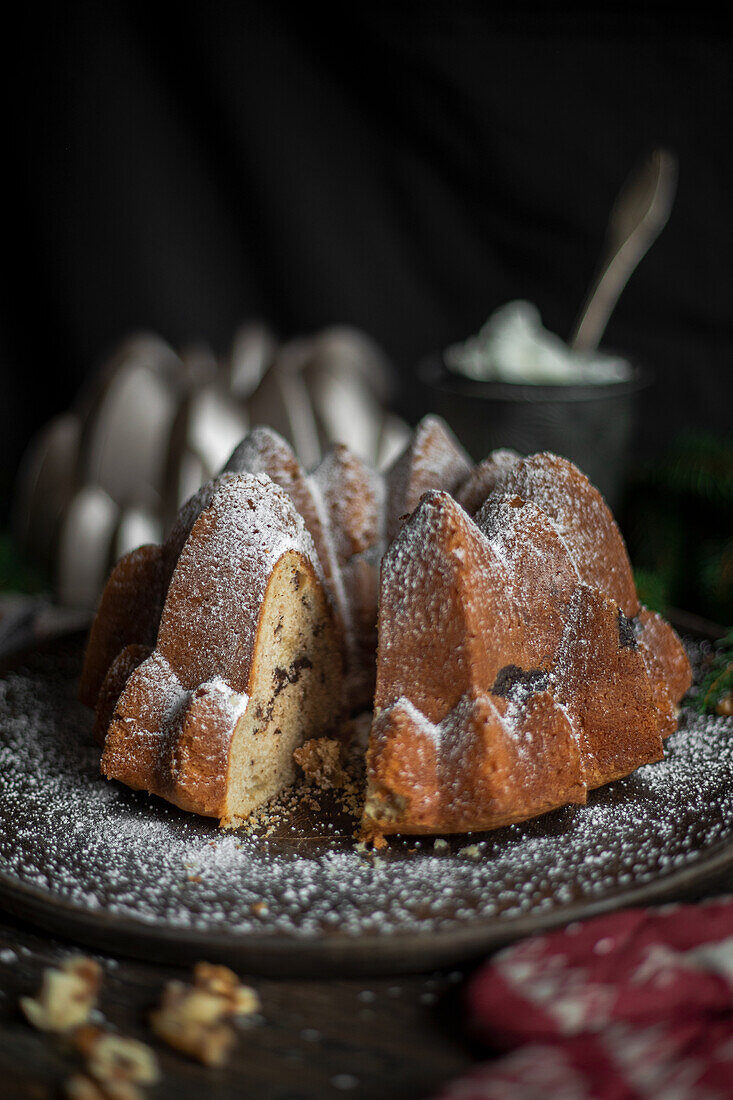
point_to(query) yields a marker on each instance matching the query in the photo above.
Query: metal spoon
(638, 216)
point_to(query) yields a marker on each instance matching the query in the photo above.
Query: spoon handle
(639, 214)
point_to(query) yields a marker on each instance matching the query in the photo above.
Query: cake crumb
(320, 759)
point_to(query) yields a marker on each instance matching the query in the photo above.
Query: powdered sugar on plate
(75, 839)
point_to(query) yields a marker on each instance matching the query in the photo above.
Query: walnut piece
(67, 997)
(114, 1065)
(113, 1059)
(191, 1018)
(320, 759)
(81, 1087)
(220, 981)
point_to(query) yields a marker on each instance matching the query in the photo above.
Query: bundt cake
(492, 604)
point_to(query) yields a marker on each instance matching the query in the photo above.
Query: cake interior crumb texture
(295, 689)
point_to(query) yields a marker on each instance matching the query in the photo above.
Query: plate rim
(281, 955)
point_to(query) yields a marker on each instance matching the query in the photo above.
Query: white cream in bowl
(514, 346)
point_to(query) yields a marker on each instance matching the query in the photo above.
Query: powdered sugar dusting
(98, 846)
(264, 451)
(581, 517)
(222, 574)
(434, 459)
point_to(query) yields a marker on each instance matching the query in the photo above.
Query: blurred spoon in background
(639, 214)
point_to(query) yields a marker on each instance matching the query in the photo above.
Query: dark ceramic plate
(116, 869)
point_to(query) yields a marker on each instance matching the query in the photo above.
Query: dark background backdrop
(402, 167)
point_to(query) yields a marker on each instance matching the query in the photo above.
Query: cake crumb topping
(320, 759)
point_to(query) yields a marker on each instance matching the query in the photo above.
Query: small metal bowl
(592, 425)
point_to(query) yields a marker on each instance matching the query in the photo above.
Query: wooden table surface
(386, 1037)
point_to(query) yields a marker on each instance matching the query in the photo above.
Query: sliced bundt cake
(514, 666)
(246, 664)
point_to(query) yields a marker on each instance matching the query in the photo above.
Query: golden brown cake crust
(502, 611)
(353, 498)
(582, 519)
(119, 672)
(488, 763)
(434, 459)
(542, 576)
(442, 593)
(263, 451)
(353, 493)
(657, 636)
(601, 679)
(132, 601)
(335, 522)
(128, 614)
(484, 478)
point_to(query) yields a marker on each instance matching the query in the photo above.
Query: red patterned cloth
(636, 1004)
